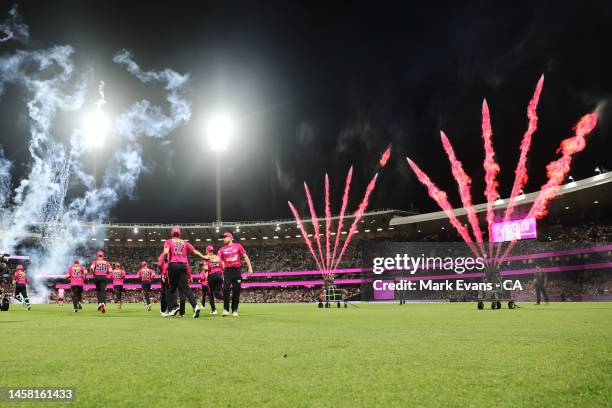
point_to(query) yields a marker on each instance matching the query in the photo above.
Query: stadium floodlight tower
(220, 128)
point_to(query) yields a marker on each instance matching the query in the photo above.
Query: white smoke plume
(13, 28)
(43, 200)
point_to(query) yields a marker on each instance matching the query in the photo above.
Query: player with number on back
(76, 274)
(146, 274)
(176, 250)
(118, 276)
(101, 268)
(20, 280)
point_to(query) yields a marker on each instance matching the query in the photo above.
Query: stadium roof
(580, 195)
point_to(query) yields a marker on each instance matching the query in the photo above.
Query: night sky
(319, 86)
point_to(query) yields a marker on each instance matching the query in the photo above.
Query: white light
(135, 230)
(95, 127)
(595, 202)
(219, 129)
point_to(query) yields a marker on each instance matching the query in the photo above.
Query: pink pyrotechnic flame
(385, 157)
(347, 187)
(304, 234)
(558, 170)
(315, 222)
(358, 215)
(464, 182)
(327, 223)
(520, 174)
(491, 169)
(441, 199)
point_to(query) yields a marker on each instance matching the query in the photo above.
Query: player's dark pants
(77, 295)
(163, 302)
(23, 291)
(100, 281)
(177, 279)
(146, 289)
(232, 277)
(205, 292)
(215, 289)
(118, 292)
(541, 290)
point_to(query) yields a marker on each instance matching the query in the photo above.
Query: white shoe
(225, 313)
(214, 312)
(235, 314)
(196, 312)
(165, 314)
(149, 308)
(174, 312)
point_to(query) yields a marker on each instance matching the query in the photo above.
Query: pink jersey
(101, 267)
(203, 279)
(145, 274)
(76, 274)
(214, 266)
(60, 294)
(231, 255)
(21, 278)
(118, 275)
(162, 266)
(179, 249)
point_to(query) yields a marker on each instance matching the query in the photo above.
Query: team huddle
(220, 276)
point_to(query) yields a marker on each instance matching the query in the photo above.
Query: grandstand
(285, 272)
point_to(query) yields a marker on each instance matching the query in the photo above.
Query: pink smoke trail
(327, 223)
(347, 187)
(491, 170)
(557, 170)
(315, 222)
(304, 234)
(520, 174)
(385, 157)
(441, 199)
(358, 215)
(464, 182)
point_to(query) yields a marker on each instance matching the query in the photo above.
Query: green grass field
(376, 355)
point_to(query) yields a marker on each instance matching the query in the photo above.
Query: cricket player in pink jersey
(146, 275)
(162, 268)
(76, 274)
(176, 251)
(60, 297)
(203, 276)
(232, 255)
(118, 275)
(214, 274)
(101, 269)
(20, 280)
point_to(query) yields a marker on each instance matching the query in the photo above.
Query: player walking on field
(118, 276)
(146, 274)
(20, 280)
(176, 251)
(101, 268)
(214, 273)
(76, 274)
(232, 255)
(204, 283)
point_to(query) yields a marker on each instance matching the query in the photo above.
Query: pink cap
(76, 262)
(228, 235)
(209, 248)
(175, 232)
(20, 267)
(143, 263)
(117, 265)
(100, 254)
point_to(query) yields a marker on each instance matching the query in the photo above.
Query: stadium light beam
(220, 129)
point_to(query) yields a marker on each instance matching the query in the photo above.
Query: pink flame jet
(315, 222)
(385, 157)
(491, 169)
(347, 187)
(358, 215)
(464, 182)
(441, 198)
(304, 234)
(327, 223)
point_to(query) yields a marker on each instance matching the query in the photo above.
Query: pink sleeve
(190, 248)
(167, 244)
(219, 255)
(241, 250)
